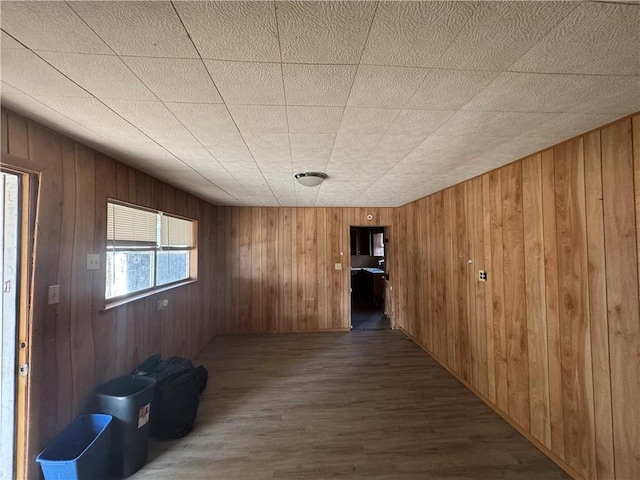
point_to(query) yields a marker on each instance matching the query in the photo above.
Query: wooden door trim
(27, 211)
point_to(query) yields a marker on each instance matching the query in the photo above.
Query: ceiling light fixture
(311, 179)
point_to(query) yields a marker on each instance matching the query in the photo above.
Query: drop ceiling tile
(270, 150)
(243, 31)
(449, 89)
(367, 120)
(203, 117)
(341, 192)
(34, 109)
(102, 75)
(229, 148)
(498, 33)
(64, 32)
(389, 87)
(419, 123)
(8, 43)
(89, 111)
(568, 125)
(310, 152)
(494, 124)
(314, 119)
(320, 85)
(155, 120)
(323, 32)
(414, 34)
(32, 75)
(611, 95)
(529, 92)
(596, 38)
(353, 147)
(146, 29)
(391, 149)
(248, 82)
(508, 124)
(259, 118)
(168, 77)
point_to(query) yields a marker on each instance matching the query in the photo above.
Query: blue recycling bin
(80, 451)
(128, 400)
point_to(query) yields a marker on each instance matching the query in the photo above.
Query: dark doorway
(368, 270)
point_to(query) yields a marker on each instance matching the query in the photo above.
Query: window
(146, 249)
(378, 244)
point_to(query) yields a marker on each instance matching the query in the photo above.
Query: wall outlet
(93, 261)
(54, 294)
(482, 276)
(338, 266)
(162, 304)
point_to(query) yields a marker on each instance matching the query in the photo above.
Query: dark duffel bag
(176, 396)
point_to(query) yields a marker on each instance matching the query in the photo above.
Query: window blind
(176, 232)
(131, 225)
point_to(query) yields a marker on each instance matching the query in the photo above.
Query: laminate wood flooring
(357, 405)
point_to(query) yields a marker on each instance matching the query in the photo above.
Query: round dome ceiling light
(311, 179)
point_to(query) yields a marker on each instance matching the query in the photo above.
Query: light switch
(54, 294)
(338, 266)
(93, 261)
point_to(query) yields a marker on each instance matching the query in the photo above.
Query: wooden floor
(358, 405)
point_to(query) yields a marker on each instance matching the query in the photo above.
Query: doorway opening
(10, 187)
(369, 275)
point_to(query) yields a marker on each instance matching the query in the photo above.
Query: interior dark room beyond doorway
(368, 277)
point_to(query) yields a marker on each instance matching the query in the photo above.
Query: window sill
(111, 304)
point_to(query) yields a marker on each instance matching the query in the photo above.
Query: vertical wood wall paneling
(425, 284)
(479, 264)
(514, 296)
(63, 324)
(535, 299)
(19, 140)
(636, 170)
(4, 146)
(322, 273)
(598, 306)
(271, 300)
(472, 319)
(556, 403)
(450, 259)
(440, 280)
(462, 284)
(497, 281)
(338, 281)
(574, 306)
(488, 289)
(256, 310)
(46, 148)
(82, 335)
(622, 294)
(105, 326)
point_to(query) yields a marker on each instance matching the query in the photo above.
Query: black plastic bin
(128, 400)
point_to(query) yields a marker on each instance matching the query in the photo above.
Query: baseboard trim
(536, 443)
(279, 332)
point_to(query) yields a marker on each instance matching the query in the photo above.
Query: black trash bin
(128, 400)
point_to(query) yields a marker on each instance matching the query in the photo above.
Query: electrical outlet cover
(93, 261)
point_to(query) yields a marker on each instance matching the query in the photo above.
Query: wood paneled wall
(74, 346)
(280, 271)
(552, 338)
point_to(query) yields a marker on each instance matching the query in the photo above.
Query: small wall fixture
(311, 179)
